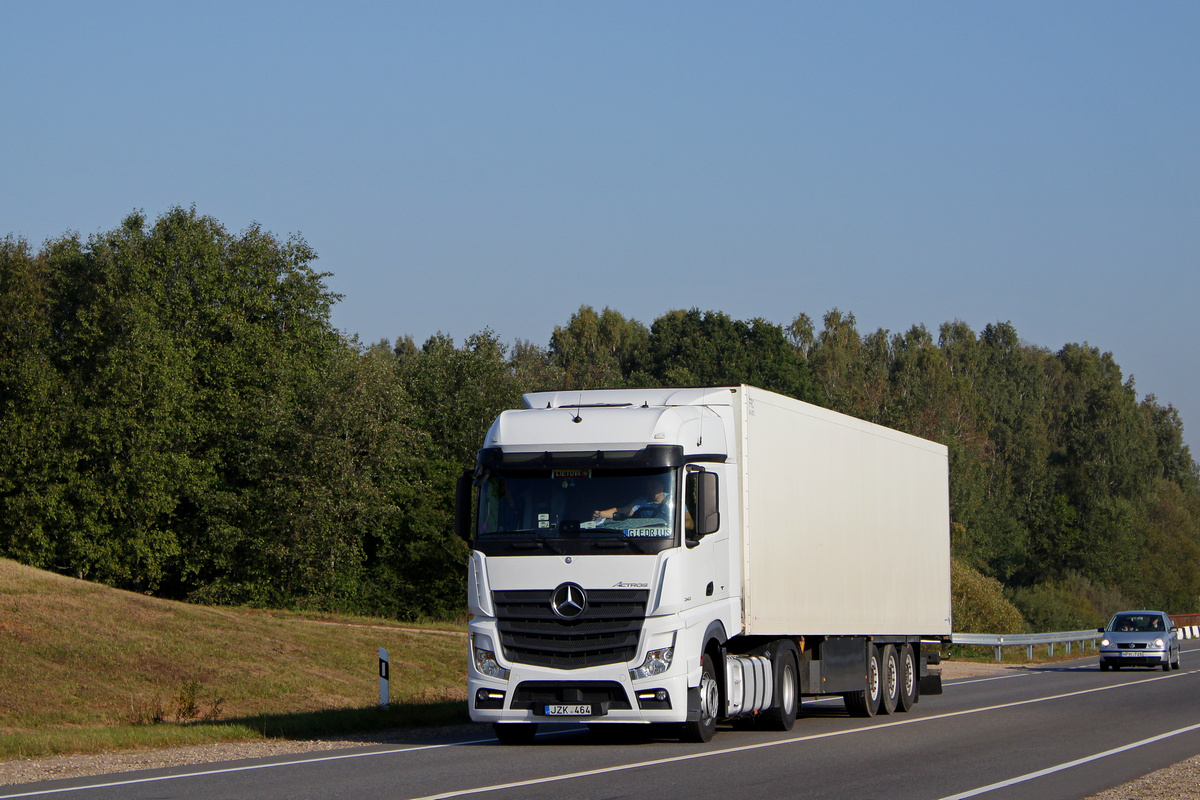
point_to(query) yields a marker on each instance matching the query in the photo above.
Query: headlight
(485, 657)
(1105, 642)
(657, 662)
(1158, 644)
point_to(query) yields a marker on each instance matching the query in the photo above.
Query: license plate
(1134, 654)
(569, 711)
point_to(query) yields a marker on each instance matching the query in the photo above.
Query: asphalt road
(1060, 732)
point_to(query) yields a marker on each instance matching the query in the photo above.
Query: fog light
(489, 698)
(657, 699)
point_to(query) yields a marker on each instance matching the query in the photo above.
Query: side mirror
(1099, 630)
(462, 505)
(708, 504)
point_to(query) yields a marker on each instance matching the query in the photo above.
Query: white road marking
(1068, 765)
(249, 768)
(590, 773)
(985, 680)
(764, 745)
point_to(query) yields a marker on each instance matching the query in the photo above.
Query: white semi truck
(695, 556)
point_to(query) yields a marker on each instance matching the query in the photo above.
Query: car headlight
(484, 655)
(1105, 642)
(656, 663)
(1158, 644)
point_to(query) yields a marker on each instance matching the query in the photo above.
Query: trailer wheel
(889, 679)
(865, 702)
(909, 685)
(787, 691)
(514, 732)
(702, 730)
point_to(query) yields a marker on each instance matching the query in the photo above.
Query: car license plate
(1134, 654)
(569, 711)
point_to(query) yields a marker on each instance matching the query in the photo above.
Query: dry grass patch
(78, 659)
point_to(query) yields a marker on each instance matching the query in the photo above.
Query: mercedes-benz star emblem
(568, 601)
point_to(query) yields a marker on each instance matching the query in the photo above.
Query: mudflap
(931, 683)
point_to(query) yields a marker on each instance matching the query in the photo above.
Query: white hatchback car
(1139, 639)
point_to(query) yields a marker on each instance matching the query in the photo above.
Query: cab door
(706, 538)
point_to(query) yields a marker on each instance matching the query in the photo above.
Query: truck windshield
(578, 510)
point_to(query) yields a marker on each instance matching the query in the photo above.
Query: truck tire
(865, 702)
(702, 730)
(514, 732)
(910, 684)
(889, 689)
(782, 716)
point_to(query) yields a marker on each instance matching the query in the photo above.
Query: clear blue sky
(467, 165)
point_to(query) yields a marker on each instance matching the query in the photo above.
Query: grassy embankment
(85, 668)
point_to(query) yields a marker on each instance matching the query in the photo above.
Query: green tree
(534, 367)
(456, 393)
(835, 359)
(598, 351)
(1102, 463)
(997, 486)
(172, 352)
(1174, 457)
(694, 348)
(35, 410)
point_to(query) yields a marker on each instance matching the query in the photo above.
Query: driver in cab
(653, 499)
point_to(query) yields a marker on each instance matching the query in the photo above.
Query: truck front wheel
(702, 730)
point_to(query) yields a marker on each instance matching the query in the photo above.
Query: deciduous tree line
(178, 416)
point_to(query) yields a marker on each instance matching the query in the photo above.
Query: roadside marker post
(383, 678)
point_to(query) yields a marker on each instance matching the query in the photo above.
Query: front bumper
(595, 694)
(1134, 658)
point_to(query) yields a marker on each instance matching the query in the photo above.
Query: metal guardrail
(1029, 640)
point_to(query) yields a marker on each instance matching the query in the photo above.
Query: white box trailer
(845, 524)
(693, 556)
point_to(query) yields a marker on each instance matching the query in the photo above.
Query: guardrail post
(1050, 651)
(1029, 652)
(998, 657)
(1068, 648)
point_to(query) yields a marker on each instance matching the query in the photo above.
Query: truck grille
(605, 633)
